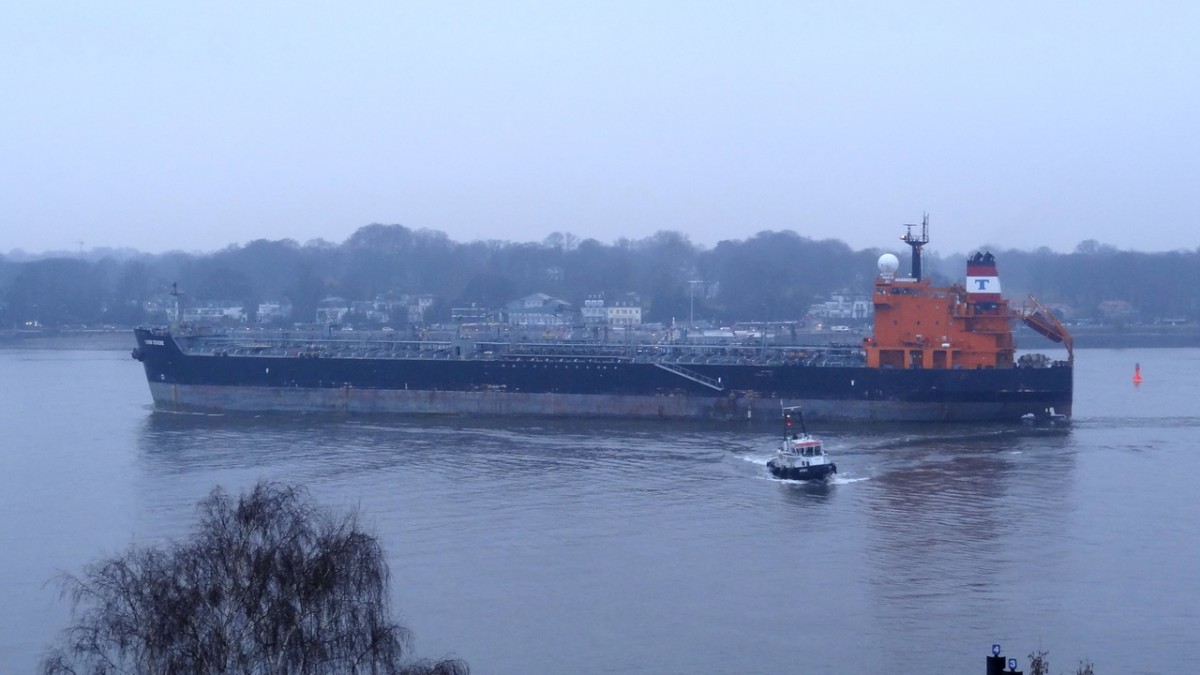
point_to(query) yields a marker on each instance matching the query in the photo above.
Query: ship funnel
(983, 282)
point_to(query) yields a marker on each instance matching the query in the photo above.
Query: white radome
(888, 264)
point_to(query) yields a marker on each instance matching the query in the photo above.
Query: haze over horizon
(1022, 125)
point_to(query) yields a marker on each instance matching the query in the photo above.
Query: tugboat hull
(818, 472)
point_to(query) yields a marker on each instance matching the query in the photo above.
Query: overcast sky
(170, 125)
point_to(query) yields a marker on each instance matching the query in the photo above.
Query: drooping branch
(268, 583)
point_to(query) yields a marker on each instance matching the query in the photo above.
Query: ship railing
(293, 345)
(289, 346)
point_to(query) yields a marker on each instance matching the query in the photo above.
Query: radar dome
(888, 264)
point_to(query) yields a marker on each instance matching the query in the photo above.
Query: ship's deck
(372, 347)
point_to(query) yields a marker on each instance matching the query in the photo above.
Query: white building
(593, 313)
(624, 311)
(540, 310)
(274, 310)
(332, 309)
(215, 312)
(417, 306)
(842, 306)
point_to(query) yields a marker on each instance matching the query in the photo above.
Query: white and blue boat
(800, 456)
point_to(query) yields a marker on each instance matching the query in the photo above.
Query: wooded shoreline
(1086, 337)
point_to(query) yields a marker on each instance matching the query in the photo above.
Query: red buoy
(1137, 374)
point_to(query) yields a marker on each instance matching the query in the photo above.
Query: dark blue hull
(818, 472)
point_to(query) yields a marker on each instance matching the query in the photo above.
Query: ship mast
(177, 294)
(917, 242)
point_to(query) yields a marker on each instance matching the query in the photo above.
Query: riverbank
(102, 339)
(1086, 337)
(1117, 337)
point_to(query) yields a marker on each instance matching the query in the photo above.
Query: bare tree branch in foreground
(267, 584)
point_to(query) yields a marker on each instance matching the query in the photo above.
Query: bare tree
(1039, 663)
(268, 583)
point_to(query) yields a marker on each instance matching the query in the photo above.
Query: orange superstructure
(918, 325)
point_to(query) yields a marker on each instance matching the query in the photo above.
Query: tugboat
(800, 456)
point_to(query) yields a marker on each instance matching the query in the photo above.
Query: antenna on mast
(917, 242)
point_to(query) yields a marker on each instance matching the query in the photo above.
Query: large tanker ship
(937, 354)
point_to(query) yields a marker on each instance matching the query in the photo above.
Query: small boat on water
(800, 456)
(1048, 419)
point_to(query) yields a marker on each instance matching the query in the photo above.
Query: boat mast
(177, 294)
(917, 242)
(788, 413)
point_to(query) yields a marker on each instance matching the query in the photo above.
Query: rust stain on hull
(376, 401)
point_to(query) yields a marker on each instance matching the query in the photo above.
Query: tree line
(771, 276)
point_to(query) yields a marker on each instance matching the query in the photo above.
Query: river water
(592, 547)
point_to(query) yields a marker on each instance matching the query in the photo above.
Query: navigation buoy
(1137, 373)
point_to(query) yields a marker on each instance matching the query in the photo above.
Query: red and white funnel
(983, 282)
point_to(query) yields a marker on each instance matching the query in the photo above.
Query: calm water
(534, 547)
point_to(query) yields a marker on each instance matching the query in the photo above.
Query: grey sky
(164, 125)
